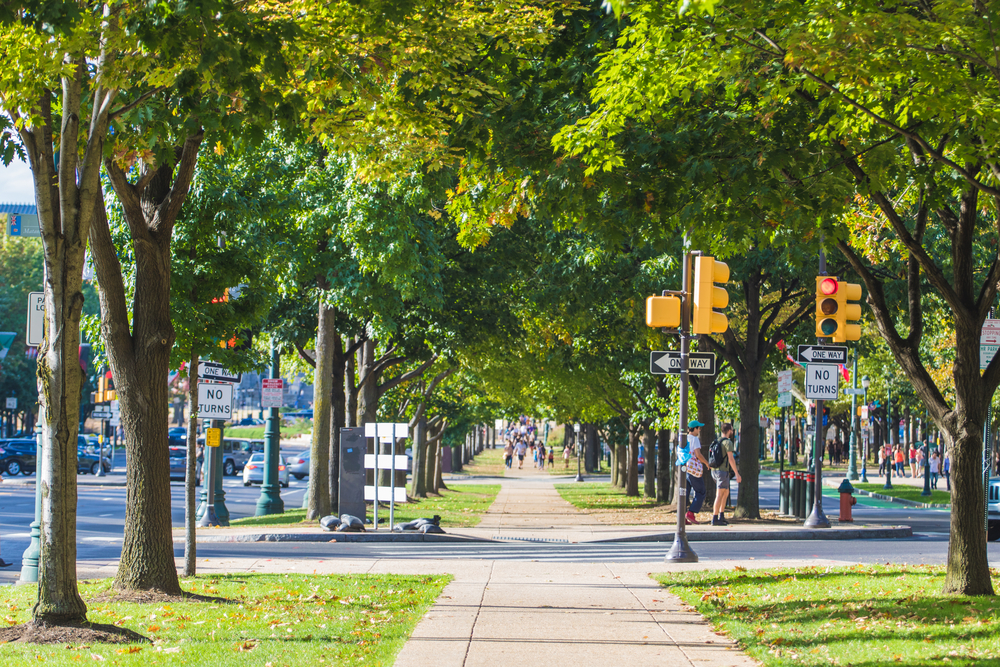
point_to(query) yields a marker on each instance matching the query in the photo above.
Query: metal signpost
(213, 438)
(270, 501)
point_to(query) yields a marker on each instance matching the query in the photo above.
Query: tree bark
(664, 467)
(632, 470)
(339, 408)
(323, 387)
(350, 391)
(418, 487)
(649, 443)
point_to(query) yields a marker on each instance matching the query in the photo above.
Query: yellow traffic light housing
(827, 306)
(663, 312)
(105, 388)
(708, 297)
(848, 313)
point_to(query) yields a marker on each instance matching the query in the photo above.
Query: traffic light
(663, 312)
(708, 297)
(105, 388)
(834, 309)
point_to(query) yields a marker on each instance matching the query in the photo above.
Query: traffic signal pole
(680, 551)
(817, 519)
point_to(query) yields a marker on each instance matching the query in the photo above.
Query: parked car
(18, 456)
(250, 421)
(298, 465)
(236, 452)
(253, 472)
(88, 462)
(993, 511)
(177, 432)
(302, 414)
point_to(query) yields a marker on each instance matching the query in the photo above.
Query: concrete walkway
(533, 613)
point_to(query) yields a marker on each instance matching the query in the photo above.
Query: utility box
(353, 446)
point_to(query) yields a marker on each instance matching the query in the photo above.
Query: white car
(299, 465)
(253, 471)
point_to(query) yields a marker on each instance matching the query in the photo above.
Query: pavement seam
(646, 609)
(479, 610)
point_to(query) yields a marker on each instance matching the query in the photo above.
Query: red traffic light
(828, 286)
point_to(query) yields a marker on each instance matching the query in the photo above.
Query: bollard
(810, 493)
(783, 492)
(797, 496)
(847, 500)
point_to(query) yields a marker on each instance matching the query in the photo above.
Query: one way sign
(699, 363)
(822, 354)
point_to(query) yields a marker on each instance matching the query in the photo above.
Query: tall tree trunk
(339, 407)
(649, 472)
(748, 498)
(418, 487)
(593, 450)
(319, 456)
(705, 400)
(632, 480)
(350, 391)
(191, 474)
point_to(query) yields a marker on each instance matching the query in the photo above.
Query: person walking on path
(694, 463)
(935, 468)
(900, 469)
(508, 454)
(946, 467)
(521, 448)
(566, 456)
(541, 457)
(722, 474)
(552, 456)
(913, 461)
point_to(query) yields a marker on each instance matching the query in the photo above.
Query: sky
(15, 184)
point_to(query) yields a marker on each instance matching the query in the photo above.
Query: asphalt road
(101, 518)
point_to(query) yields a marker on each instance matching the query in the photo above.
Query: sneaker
(718, 521)
(690, 519)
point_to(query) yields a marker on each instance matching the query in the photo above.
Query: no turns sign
(215, 401)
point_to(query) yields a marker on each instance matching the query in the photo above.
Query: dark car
(178, 459)
(298, 414)
(87, 462)
(17, 456)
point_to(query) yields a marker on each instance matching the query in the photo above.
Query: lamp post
(864, 462)
(890, 437)
(270, 501)
(576, 442)
(852, 457)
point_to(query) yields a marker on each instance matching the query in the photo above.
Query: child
(551, 456)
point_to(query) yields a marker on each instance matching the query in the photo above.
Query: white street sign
(860, 391)
(272, 393)
(989, 342)
(36, 318)
(12, 404)
(215, 401)
(784, 381)
(821, 382)
(785, 399)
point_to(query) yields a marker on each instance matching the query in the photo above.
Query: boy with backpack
(723, 465)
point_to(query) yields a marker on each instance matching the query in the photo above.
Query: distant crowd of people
(521, 440)
(899, 458)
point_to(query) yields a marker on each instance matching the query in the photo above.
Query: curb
(334, 537)
(785, 535)
(714, 536)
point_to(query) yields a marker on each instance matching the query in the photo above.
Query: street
(101, 510)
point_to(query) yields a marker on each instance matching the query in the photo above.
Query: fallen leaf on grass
(129, 649)
(98, 658)
(246, 646)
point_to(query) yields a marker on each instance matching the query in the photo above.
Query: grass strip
(905, 492)
(858, 615)
(487, 463)
(288, 430)
(462, 505)
(277, 620)
(601, 496)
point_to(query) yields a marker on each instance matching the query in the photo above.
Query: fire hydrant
(846, 501)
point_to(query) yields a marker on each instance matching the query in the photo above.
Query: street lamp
(576, 442)
(865, 382)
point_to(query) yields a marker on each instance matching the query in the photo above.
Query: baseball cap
(694, 423)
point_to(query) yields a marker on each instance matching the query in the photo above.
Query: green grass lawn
(277, 620)
(601, 495)
(937, 497)
(460, 506)
(859, 615)
(288, 429)
(488, 463)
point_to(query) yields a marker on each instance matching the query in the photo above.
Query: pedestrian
(920, 457)
(900, 467)
(881, 461)
(552, 457)
(722, 474)
(541, 457)
(508, 454)
(521, 448)
(913, 461)
(946, 468)
(694, 463)
(935, 466)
